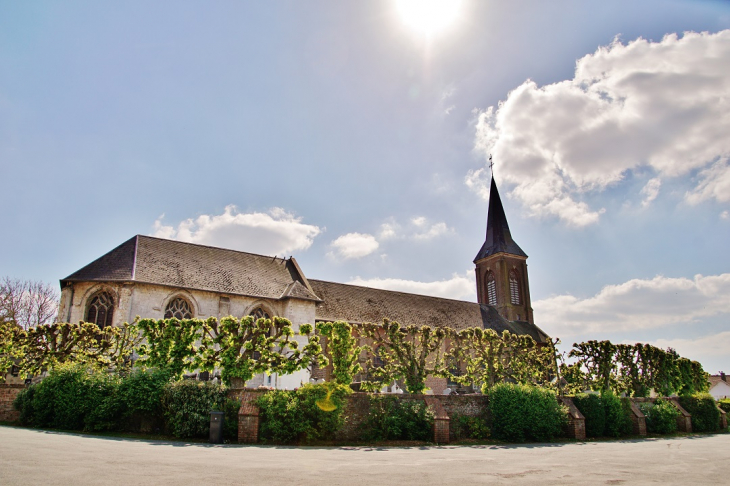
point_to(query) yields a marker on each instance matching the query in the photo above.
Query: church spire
(499, 239)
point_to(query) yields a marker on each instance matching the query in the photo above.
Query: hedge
(661, 417)
(605, 415)
(390, 418)
(522, 412)
(703, 409)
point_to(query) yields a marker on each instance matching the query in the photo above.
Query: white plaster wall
(721, 390)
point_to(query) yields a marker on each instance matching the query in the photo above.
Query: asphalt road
(29, 457)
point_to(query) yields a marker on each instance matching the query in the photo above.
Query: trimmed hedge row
(704, 411)
(606, 415)
(521, 412)
(73, 398)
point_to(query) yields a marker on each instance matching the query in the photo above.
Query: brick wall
(7, 395)
(576, 425)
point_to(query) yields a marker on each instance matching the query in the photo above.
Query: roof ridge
(273, 257)
(394, 291)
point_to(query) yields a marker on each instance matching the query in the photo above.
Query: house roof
(145, 259)
(499, 239)
(716, 380)
(357, 304)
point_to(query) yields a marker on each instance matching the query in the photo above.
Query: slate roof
(499, 239)
(357, 304)
(145, 259)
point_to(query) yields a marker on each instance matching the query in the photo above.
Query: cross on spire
(491, 165)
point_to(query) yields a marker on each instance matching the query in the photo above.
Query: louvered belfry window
(491, 289)
(514, 288)
(178, 308)
(100, 310)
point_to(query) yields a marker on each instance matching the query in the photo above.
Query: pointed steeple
(498, 238)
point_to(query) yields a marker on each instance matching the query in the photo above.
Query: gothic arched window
(491, 288)
(514, 288)
(178, 308)
(259, 313)
(100, 310)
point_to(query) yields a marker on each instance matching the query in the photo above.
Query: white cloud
(636, 304)
(650, 191)
(354, 245)
(274, 233)
(725, 215)
(710, 345)
(457, 287)
(714, 184)
(663, 105)
(419, 228)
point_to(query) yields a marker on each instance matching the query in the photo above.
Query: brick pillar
(248, 419)
(684, 421)
(441, 420)
(638, 419)
(7, 395)
(576, 427)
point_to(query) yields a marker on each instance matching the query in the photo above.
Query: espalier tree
(485, 359)
(240, 348)
(343, 350)
(407, 353)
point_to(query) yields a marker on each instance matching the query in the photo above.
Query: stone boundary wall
(576, 426)
(7, 395)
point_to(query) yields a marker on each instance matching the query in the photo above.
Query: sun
(429, 17)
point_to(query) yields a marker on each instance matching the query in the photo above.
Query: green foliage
(72, 398)
(310, 413)
(488, 358)
(661, 417)
(343, 350)
(186, 406)
(618, 418)
(241, 348)
(724, 404)
(522, 412)
(410, 354)
(141, 393)
(591, 406)
(635, 369)
(703, 409)
(468, 427)
(391, 418)
(11, 345)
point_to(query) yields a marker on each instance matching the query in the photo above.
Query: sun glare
(429, 16)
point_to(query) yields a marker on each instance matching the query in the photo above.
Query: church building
(158, 278)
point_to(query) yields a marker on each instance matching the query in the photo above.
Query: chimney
(723, 377)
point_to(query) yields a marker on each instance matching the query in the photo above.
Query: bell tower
(501, 267)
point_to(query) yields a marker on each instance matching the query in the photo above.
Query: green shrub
(141, 393)
(661, 417)
(186, 406)
(703, 409)
(468, 427)
(521, 412)
(72, 398)
(605, 415)
(724, 404)
(592, 408)
(618, 418)
(302, 415)
(392, 418)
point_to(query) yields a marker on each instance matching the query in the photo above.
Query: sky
(355, 137)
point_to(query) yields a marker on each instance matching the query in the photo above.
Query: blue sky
(338, 133)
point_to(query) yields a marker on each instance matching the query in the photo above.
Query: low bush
(186, 406)
(661, 417)
(591, 406)
(703, 409)
(392, 418)
(312, 412)
(141, 393)
(724, 404)
(521, 412)
(618, 418)
(468, 427)
(72, 398)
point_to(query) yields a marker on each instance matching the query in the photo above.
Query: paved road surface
(30, 457)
